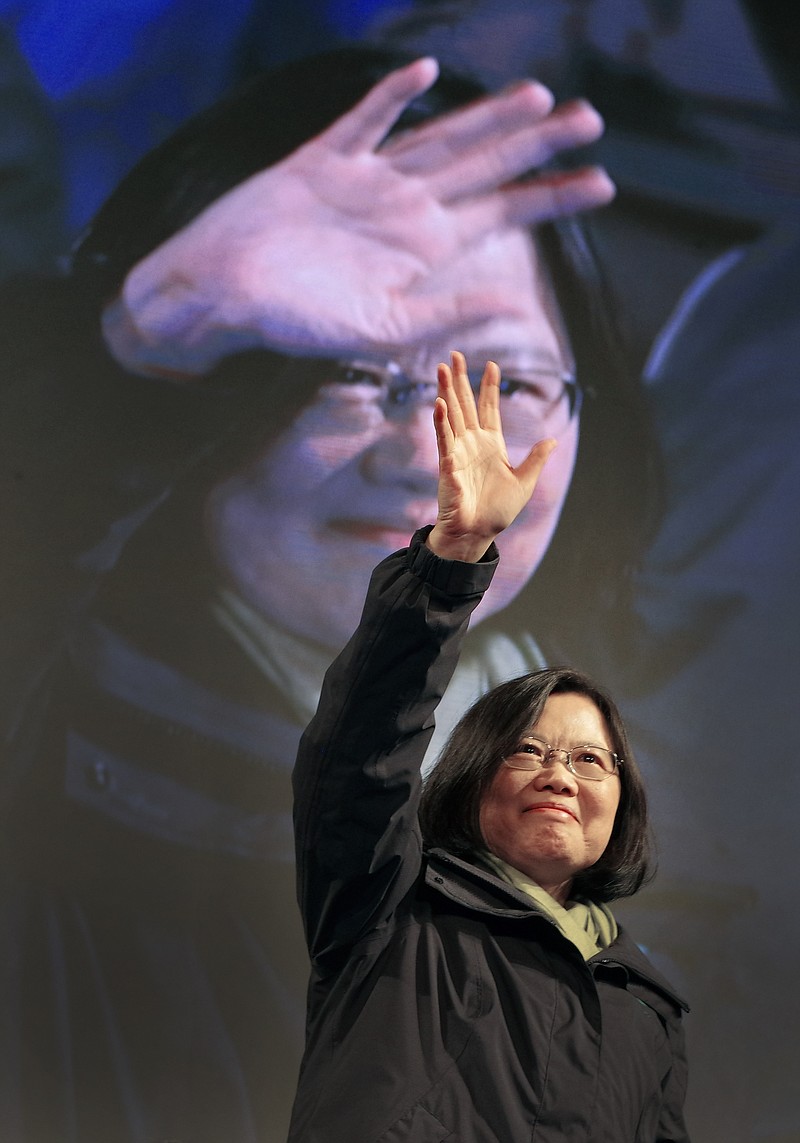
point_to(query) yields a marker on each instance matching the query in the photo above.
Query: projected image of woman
(152, 839)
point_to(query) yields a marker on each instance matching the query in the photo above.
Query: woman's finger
(443, 429)
(463, 391)
(512, 155)
(367, 124)
(477, 125)
(545, 197)
(449, 394)
(489, 398)
(530, 469)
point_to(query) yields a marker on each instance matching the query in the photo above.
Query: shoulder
(644, 980)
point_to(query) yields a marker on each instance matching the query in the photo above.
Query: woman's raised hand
(349, 244)
(479, 492)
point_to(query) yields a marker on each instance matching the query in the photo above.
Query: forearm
(357, 776)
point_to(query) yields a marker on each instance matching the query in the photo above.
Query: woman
(468, 979)
(158, 988)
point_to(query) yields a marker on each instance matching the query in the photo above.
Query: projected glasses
(532, 400)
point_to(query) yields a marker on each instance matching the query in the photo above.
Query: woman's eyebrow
(535, 358)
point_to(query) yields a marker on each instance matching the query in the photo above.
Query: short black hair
(489, 732)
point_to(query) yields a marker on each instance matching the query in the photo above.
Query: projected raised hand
(351, 244)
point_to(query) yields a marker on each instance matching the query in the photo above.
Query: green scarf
(590, 926)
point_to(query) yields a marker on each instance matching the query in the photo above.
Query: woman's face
(299, 531)
(548, 823)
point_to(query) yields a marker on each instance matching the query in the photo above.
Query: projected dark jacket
(443, 1004)
(153, 982)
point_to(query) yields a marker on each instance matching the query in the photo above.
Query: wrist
(466, 548)
(132, 347)
(169, 321)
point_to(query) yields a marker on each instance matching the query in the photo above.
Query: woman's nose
(556, 775)
(405, 451)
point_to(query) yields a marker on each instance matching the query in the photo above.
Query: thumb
(529, 471)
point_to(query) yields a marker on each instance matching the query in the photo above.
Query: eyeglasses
(594, 763)
(532, 399)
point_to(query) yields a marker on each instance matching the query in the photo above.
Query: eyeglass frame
(551, 750)
(398, 387)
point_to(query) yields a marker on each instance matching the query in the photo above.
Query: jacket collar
(475, 887)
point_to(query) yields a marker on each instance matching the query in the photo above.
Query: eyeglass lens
(592, 762)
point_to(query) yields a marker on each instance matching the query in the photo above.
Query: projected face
(299, 531)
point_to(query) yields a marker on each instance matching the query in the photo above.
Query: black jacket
(443, 1004)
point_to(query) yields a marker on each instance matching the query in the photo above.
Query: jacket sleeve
(357, 777)
(671, 1123)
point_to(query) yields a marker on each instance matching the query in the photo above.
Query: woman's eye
(530, 748)
(342, 374)
(510, 386)
(588, 758)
